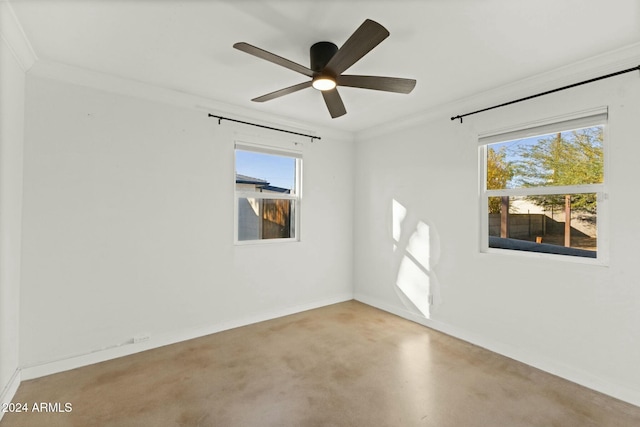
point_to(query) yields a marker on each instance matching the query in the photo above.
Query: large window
(544, 188)
(267, 193)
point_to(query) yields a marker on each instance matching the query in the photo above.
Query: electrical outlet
(430, 299)
(140, 338)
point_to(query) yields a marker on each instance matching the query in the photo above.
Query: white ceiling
(453, 48)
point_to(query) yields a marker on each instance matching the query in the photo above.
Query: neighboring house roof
(277, 189)
(260, 183)
(244, 179)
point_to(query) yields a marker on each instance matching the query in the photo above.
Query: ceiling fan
(328, 63)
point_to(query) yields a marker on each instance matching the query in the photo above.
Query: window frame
(595, 117)
(295, 196)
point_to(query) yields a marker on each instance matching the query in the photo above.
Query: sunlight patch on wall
(419, 246)
(413, 281)
(414, 278)
(398, 213)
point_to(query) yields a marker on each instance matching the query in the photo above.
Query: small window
(544, 188)
(267, 194)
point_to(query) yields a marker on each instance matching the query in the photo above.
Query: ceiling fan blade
(271, 57)
(366, 37)
(387, 84)
(282, 92)
(334, 103)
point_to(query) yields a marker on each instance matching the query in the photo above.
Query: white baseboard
(618, 391)
(9, 391)
(583, 378)
(77, 361)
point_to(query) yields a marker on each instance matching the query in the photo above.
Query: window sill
(544, 256)
(264, 242)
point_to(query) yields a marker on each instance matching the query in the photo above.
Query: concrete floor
(343, 365)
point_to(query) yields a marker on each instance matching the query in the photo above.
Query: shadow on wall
(416, 249)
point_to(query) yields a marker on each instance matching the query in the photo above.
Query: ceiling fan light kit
(323, 83)
(328, 63)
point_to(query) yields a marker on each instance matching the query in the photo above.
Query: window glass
(541, 192)
(265, 172)
(267, 195)
(265, 219)
(534, 223)
(563, 158)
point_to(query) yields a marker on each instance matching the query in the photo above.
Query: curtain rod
(220, 118)
(548, 92)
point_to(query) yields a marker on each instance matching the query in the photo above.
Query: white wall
(12, 98)
(575, 320)
(128, 227)
(128, 231)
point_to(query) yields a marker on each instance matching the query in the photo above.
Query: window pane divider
(540, 191)
(261, 195)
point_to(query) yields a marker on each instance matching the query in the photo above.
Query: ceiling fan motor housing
(321, 53)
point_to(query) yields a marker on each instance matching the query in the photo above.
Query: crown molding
(608, 62)
(48, 69)
(14, 37)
